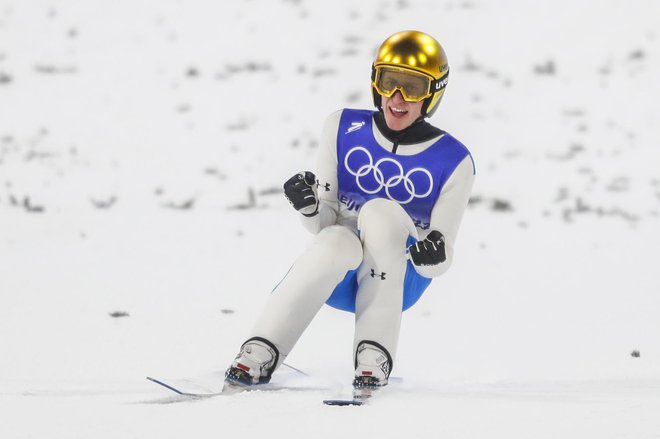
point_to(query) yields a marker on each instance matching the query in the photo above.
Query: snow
(142, 151)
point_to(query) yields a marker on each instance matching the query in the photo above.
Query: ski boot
(372, 369)
(254, 364)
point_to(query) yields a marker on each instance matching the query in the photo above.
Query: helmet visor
(413, 86)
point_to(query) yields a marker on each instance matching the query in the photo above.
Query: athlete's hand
(300, 190)
(430, 251)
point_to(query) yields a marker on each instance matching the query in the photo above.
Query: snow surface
(142, 149)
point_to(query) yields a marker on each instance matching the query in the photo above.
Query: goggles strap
(440, 83)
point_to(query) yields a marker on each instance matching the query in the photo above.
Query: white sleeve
(447, 213)
(326, 174)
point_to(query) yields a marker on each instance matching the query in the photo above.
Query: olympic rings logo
(399, 182)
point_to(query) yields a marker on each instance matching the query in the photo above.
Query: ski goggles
(414, 86)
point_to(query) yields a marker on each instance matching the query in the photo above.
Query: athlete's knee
(341, 244)
(384, 214)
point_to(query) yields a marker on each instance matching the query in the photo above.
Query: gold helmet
(413, 63)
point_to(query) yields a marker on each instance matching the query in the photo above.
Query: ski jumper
(374, 203)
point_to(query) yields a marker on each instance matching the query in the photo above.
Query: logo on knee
(374, 274)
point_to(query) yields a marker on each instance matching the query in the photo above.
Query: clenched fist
(300, 190)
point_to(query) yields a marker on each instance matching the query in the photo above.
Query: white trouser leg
(307, 286)
(384, 229)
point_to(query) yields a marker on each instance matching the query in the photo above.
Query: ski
(355, 400)
(228, 388)
(214, 384)
(361, 395)
(343, 402)
(179, 390)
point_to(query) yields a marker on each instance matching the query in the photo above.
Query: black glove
(300, 190)
(430, 251)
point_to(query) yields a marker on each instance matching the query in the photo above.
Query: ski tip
(343, 402)
(167, 386)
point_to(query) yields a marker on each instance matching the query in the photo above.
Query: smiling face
(400, 114)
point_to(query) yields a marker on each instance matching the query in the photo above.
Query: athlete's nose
(397, 97)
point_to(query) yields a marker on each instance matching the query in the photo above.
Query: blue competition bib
(366, 170)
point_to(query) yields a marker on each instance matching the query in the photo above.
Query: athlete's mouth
(398, 112)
